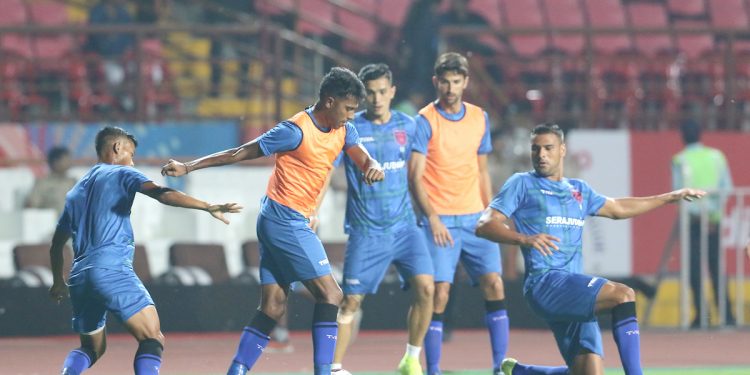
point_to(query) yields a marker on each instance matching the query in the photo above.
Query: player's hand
(58, 291)
(440, 233)
(543, 243)
(314, 223)
(686, 194)
(218, 210)
(174, 168)
(373, 174)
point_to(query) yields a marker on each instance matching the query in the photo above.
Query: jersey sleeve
(486, 146)
(339, 159)
(594, 201)
(352, 136)
(64, 222)
(422, 135)
(510, 196)
(285, 136)
(133, 179)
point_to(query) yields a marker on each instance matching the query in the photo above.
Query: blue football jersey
(559, 208)
(97, 215)
(385, 205)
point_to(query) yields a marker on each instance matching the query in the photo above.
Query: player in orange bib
(305, 146)
(451, 185)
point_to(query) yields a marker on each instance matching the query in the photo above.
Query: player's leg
(481, 259)
(621, 300)
(696, 280)
(414, 264)
(349, 308)
(89, 319)
(444, 260)
(146, 328)
(255, 336)
(714, 270)
(328, 296)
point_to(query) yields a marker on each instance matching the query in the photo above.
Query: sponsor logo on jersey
(547, 192)
(352, 282)
(323, 262)
(366, 139)
(393, 165)
(564, 221)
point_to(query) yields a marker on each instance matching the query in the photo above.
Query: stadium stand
(33, 267)
(196, 264)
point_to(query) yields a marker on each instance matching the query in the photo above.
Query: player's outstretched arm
(371, 169)
(492, 227)
(248, 151)
(176, 198)
(440, 233)
(58, 290)
(625, 208)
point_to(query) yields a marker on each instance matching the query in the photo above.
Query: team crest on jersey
(400, 136)
(577, 195)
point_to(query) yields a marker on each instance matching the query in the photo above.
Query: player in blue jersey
(97, 216)
(380, 220)
(549, 211)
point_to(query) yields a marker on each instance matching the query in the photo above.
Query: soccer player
(380, 220)
(549, 212)
(97, 216)
(305, 146)
(451, 185)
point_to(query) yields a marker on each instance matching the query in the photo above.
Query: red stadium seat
(393, 12)
(525, 14)
(650, 15)
(51, 51)
(36, 258)
(566, 14)
(694, 45)
(361, 28)
(489, 10)
(141, 264)
(729, 14)
(608, 14)
(274, 7)
(695, 9)
(315, 17)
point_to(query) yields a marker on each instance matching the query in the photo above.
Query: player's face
(341, 110)
(450, 87)
(380, 93)
(547, 152)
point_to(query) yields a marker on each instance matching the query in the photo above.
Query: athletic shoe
(340, 372)
(410, 366)
(508, 365)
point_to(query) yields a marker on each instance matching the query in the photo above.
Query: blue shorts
(94, 291)
(289, 251)
(368, 256)
(567, 301)
(478, 255)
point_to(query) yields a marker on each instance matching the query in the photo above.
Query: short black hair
(451, 62)
(372, 72)
(341, 83)
(56, 153)
(110, 133)
(548, 128)
(691, 131)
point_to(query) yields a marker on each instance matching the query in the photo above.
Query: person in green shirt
(702, 167)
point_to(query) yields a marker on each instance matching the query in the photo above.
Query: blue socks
(627, 337)
(253, 340)
(521, 369)
(78, 361)
(433, 342)
(148, 357)
(324, 334)
(497, 323)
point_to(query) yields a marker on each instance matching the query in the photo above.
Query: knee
(625, 294)
(332, 296)
(442, 292)
(425, 291)
(351, 304)
(493, 287)
(274, 309)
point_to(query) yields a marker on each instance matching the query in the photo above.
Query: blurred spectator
(411, 105)
(148, 11)
(421, 33)
(702, 167)
(112, 48)
(49, 191)
(460, 15)
(227, 12)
